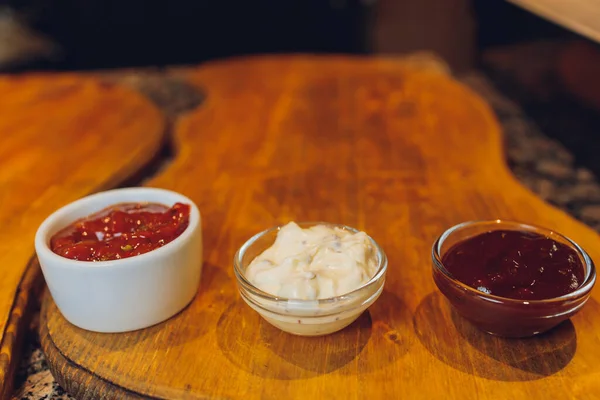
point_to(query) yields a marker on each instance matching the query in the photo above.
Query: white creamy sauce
(314, 263)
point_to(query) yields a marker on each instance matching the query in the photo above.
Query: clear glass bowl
(306, 317)
(504, 316)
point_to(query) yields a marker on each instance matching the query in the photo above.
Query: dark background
(118, 33)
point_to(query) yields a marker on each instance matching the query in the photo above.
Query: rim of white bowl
(41, 240)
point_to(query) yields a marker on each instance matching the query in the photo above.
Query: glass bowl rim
(585, 287)
(247, 285)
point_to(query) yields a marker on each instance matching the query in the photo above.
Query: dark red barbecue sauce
(121, 231)
(516, 264)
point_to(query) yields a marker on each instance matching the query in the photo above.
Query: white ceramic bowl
(130, 293)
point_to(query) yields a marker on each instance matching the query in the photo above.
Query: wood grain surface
(393, 147)
(62, 137)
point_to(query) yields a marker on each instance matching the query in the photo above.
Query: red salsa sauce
(516, 264)
(121, 231)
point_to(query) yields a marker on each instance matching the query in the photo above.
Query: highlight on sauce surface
(516, 264)
(121, 231)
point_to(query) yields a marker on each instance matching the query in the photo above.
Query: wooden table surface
(405, 189)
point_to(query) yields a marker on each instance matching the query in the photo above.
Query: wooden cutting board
(62, 137)
(395, 148)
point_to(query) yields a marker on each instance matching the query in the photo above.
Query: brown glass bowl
(500, 315)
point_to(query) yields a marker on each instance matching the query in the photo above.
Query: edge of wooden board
(93, 386)
(31, 286)
(28, 292)
(573, 19)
